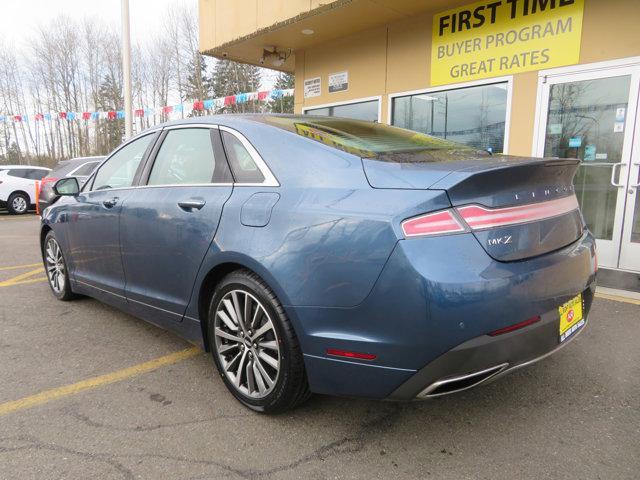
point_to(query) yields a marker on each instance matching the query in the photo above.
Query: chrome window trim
(191, 125)
(269, 179)
(218, 184)
(139, 187)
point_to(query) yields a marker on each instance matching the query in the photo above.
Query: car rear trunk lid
(516, 207)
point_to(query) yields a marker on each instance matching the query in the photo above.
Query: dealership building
(556, 78)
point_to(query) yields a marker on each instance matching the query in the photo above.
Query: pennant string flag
(210, 105)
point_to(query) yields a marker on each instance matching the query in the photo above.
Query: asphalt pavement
(89, 392)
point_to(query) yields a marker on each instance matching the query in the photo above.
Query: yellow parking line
(25, 282)
(66, 390)
(25, 277)
(20, 267)
(617, 298)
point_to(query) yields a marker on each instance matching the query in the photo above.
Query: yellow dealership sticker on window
(502, 37)
(570, 317)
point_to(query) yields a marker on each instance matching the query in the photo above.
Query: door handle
(636, 184)
(110, 203)
(191, 204)
(613, 174)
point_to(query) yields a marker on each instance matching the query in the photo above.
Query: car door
(168, 225)
(93, 222)
(19, 180)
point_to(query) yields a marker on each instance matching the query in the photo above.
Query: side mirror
(67, 187)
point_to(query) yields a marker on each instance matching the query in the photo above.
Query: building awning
(243, 30)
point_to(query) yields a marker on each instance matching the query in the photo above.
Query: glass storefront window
(474, 116)
(582, 124)
(358, 111)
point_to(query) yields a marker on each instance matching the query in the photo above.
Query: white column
(126, 70)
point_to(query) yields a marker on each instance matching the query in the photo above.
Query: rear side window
(185, 157)
(120, 169)
(243, 166)
(36, 174)
(18, 172)
(85, 170)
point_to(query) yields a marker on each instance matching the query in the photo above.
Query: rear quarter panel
(329, 234)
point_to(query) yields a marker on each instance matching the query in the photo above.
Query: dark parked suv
(79, 168)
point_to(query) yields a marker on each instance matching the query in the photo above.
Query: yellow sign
(570, 317)
(503, 37)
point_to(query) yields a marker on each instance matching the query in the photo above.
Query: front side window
(474, 116)
(120, 169)
(367, 111)
(242, 164)
(185, 157)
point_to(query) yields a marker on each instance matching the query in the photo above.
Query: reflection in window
(586, 121)
(474, 116)
(244, 168)
(185, 157)
(358, 111)
(120, 169)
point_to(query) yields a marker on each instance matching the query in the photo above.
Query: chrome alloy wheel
(247, 344)
(19, 204)
(55, 266)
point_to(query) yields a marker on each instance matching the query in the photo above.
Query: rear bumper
(486, 358)
(429, 313)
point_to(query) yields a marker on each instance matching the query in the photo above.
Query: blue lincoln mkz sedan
(318, 254)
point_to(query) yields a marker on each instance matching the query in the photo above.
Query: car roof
(231, 119)
(82, 159)
(65, 166)
(226, 119)
(38, 167)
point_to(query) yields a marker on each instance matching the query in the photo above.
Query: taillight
(516, 326)
(437, 223)
(46, 180)
(478, 217)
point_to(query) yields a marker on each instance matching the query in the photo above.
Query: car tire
(56, 268)
(18, 203)
(262, 379)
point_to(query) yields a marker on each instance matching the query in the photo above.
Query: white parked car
(18, 186)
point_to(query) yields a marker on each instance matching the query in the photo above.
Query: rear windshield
(372, 140)
(86, 169)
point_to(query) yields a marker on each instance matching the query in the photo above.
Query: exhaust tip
(459, 383)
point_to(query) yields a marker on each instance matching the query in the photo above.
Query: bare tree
(68, 69)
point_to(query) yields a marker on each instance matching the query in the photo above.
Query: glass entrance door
(592, 115)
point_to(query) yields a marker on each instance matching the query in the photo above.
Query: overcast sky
(19, 18)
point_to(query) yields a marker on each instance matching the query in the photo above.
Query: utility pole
(126, 70)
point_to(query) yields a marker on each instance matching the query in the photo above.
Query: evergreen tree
(110, 97)
(199, 84)
(283, 104)
(230, 78)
